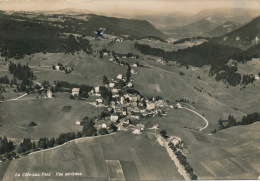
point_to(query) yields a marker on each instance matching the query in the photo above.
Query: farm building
(75, 91)
(150, 105)
(112, 84)
(99, 100)
(49, 94)
(114, 117)
(120, 76)
(97, 89)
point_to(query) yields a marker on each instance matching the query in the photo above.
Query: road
(15, 98)
(206, 121)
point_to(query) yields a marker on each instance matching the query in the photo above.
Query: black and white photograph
(129, 90)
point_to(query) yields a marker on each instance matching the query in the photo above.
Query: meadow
(98, 159)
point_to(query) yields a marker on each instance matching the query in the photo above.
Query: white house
(150, 105)
(77, 122)
(104, 125)
(115, 90)
(97, 89)
(178, 105)
(57, 67)
(119, 76)
(49, 94)
(114, 117)
(129, 84)
(99, 100)
(133, 71)
(112, 84)
(134, 65)
(136, 131)
(75, 91)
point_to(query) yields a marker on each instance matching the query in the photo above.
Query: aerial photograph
(129, 90)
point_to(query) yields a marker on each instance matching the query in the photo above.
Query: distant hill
(223, 29)
(121, 26)
(205, 21)
(26, 33)
(245, 37)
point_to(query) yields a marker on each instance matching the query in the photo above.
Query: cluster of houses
(126, 106)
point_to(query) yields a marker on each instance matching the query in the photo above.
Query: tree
(103, 131)
(105, 80)
(89, 129)
(163, 133)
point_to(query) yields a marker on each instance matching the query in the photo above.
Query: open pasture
(48, 114)
(87, 68)
(90, 159)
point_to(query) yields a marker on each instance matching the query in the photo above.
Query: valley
(78, 106)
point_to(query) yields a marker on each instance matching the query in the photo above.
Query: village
(127, 107)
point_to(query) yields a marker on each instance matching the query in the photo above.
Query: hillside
(62, 33)
(244, 37)
(225, 28)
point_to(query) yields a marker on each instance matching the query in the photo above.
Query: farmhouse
(133, 71)
(114, 117)
(129, 84)
(49, 94)
(120, 76)
(136, 116)
(99, 100)
(75, 91)
(97, 89)
(115, 90)
(150, 105)
(112, 84)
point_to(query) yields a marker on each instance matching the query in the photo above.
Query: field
(51, 116)
(88, 69)
(121, 156)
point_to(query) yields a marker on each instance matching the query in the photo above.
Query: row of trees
(5, 145)
(231, 121)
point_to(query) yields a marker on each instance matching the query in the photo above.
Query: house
(122, 100)
(178, 105)
(115, 90)
(133, 98)
(133, 71)
(129, 84)
(156, 126)
(77, 122)
(136, 116)
(111, 84)
(99, 100)
(119, 76)
(114, 117)
(115, 95)
(105, 53)
(49, 94)
(150, 105)
(136, 131)
(97, 89)
(136, 110)
(75, 91)
(134, 65)
(104, 125)
(57, 67)
(111, 60)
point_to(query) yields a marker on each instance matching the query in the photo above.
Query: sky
(127, 6)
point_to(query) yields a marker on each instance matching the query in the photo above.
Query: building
(111, 84)
(133, 71)
(49, 94)
(178, 105)
(120, 76)
(115, 90)
(129, 84)
(75, 91)
(150, 105)
(97, 89)
(114, 117)
(57, 67)
(104, 125)
(99, 100)
(77, 122)
(136, 116)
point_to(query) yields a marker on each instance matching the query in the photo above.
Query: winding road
(206, 121)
